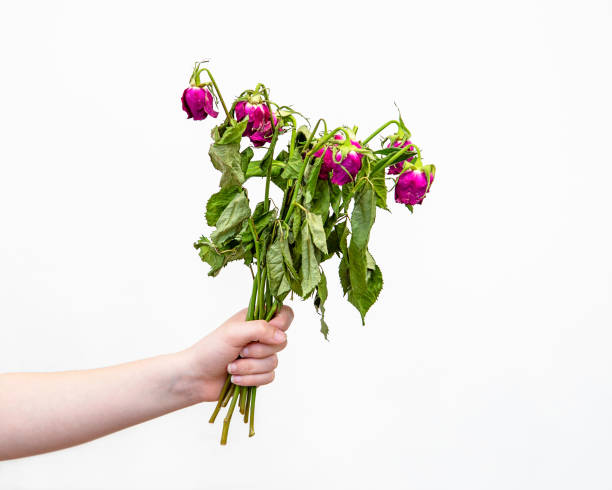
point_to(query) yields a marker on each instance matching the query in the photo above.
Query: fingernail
(279, 335)
(236, 379)
(231, 367)
(245, 352)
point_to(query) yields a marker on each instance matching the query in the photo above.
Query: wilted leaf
(362, 219)
(294, 164)
(317, 232)
(227, 159)
(218, 202)
(233, 134)
(309, 272)
(277, 275)
(231, 219)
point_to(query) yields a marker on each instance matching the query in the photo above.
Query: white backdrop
(485, 364)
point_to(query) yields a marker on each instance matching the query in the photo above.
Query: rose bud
(259, 128)
(412, 186)
(343, 170)
(397, 168)
(198, 103)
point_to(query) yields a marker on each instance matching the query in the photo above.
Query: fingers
(242, 333)
(258, 350)
(253, 379)
(283, 318)
(253, 366)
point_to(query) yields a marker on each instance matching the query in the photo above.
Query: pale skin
(42, 412)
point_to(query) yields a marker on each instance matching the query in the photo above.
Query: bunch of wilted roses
(332, 182)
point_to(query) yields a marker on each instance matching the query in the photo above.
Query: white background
(487, 362)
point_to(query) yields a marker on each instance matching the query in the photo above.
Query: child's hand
(256, 342)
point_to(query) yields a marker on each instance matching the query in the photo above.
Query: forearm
(42, 412)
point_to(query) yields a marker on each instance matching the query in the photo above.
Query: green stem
(247, 409)
(228, 417)
(251, 309)
(260, 295)
(242, 402)
(273, 310)
(228, 395)
(390, 160)
(217, 90)
(221, 397)
(252, 412)
(388, 123)
(270, 152)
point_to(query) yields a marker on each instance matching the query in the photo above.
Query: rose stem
(228, 395)
(218, 92)
(243, 398)
(252, 410)
(248, 405)
(388, 123)
(228, 417)
(221, 397)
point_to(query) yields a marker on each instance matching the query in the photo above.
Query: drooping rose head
(260, 127)
(198, 103)
(342, 170)
(399, 166)
(412, 186)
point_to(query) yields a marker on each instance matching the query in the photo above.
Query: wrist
(184, 383)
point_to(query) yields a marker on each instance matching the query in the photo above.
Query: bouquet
(332, 183)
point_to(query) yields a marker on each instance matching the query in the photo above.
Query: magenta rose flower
(260, 128)
(397, 168)
(198, 103)
(342, 170)
(412, 186)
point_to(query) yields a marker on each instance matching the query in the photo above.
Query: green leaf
(365, 299)
(277, 275)
(233, 134)
(227, 159)
(380, 188)
(322, 293)
(362, 219)
(315, 225)
(386, 151)
(245, 159)
(262, 219)
(403, 126)
(309, 272)
(364, 214)
(215, 258)
(321, 201)
(218, 202)
(231, 219)
(324, 327)
(294, 164)
(343, 272)
(287, 257)
(319, 302)
(255, 169)
(311, 180)
(335, 198)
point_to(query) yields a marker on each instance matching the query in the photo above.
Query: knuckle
(243, 366)
(261, 326)
(274, 361)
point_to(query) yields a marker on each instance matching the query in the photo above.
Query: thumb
(239, 334)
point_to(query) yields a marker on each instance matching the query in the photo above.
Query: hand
(256, 342)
